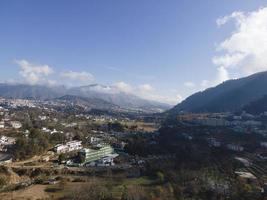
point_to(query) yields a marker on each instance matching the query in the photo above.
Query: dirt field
(31, 193)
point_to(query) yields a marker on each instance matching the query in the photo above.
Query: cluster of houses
(47, 130)
(213, 142)
(240, 123)
(15, 103)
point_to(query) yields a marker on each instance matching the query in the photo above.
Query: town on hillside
(46, 144)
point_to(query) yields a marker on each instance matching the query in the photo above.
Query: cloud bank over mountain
(42, 74)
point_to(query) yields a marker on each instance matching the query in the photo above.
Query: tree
(160, 177)
(62, 158)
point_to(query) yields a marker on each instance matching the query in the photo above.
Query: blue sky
(158, 49)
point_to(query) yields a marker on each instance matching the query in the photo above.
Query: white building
(74, 145)
(213, 142)
(60, 148)
(103, 162)
(234, 147)
(2, 124)
(16, 124)
(69, 146)
(42, 117)
(252, 123)
(46, 130)
(264, 144)
(95, 140)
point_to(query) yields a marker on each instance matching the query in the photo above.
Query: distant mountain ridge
(231, 95)
(23, 91)
(113, 95)
(104, 94)
(87, 103)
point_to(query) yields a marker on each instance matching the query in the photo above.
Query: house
(42, 118)
(103, 162)
(16, 124)
(95, 140)
(234, 147)
(2, 124)
(213, 142)
(186, 136)
(252, 123)
(237, 118)
(74, 145)
(264, 144)
(60, 148)
(46, 130)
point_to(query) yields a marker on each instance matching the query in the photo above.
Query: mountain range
(105, 96)
(231, 95)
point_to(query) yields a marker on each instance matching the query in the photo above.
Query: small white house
(234, 147)
(42, 118)
(2, 124)
(16, 124)
(95, 140)
(213, 142)
(264, 144)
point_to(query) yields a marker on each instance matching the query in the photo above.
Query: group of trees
(36, 143)
(116, 126)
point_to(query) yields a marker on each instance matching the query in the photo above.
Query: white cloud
(245, 49)
(228, 60)
(145, 91)
(189, 84)
(169, 99)
(78, 76)
(33, 73)
(222, 75)
(235, 15)
(146, 88)
(204, 83)
(123, 87)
